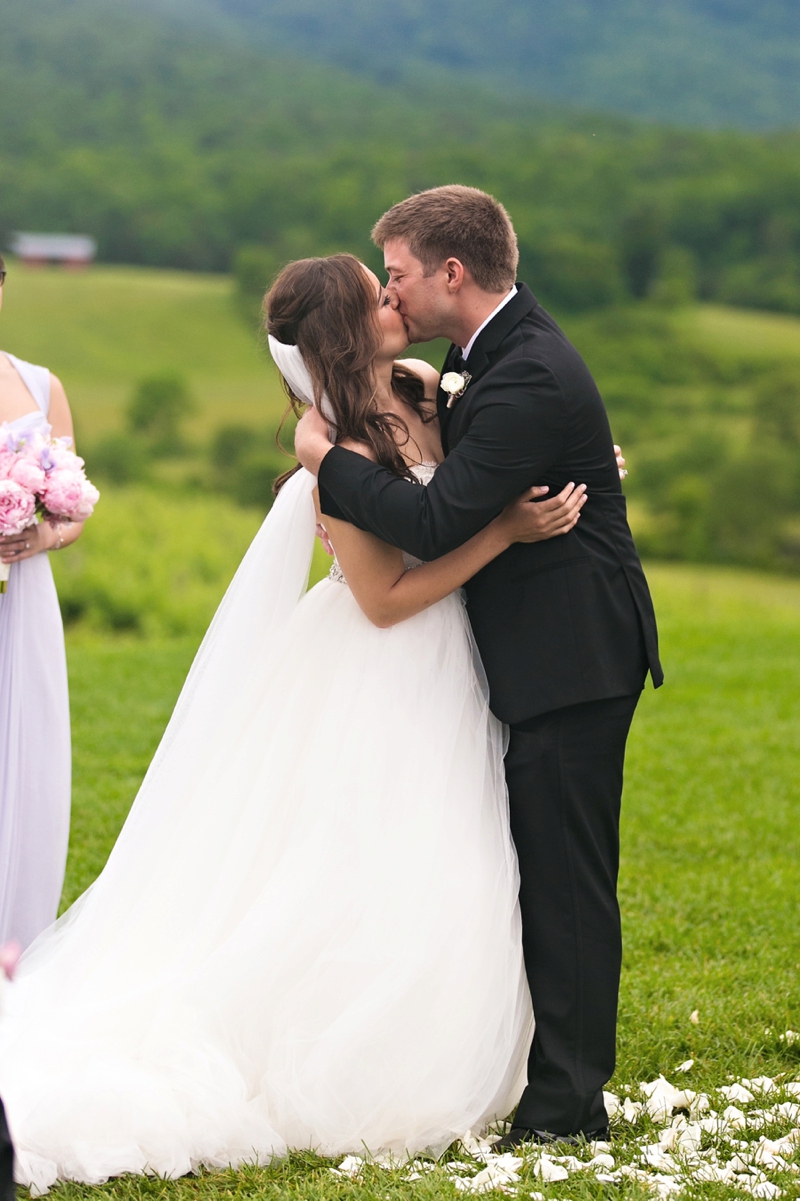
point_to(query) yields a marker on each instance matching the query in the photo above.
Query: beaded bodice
(423, 473)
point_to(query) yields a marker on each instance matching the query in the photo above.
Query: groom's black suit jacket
(557, 622)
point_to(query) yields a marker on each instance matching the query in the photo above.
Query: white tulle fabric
(292, 366)
(307, 934)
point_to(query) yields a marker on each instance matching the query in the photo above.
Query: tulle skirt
(307, 935)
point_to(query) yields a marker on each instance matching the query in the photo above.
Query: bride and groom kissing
(366, 896)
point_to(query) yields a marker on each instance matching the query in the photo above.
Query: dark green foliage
(156, 410)
(712, 440)
(121, 458)
(178, 145)
(247, 462)
(697, 62)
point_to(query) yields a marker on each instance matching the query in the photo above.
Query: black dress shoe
(518, 1136)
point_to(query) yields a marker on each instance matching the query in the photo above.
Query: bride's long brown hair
(326, 307)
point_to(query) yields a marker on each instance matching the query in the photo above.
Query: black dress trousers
(564, 772)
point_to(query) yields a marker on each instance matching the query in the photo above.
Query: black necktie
(459, 362)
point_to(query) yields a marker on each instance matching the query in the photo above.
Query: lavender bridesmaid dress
(35, 763)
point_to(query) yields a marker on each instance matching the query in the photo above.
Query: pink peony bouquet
(40, 478)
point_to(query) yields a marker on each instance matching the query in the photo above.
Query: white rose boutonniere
(454, 383)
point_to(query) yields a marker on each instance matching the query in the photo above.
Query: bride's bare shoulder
(429, 375)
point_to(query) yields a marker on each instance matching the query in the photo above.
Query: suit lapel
(441, 397)
(482, 354)
(498, 329)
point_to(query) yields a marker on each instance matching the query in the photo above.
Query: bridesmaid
(35, 762)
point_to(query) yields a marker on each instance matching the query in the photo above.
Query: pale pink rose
(7, 461)
(89, 498)
(27, 473)
(62, 492)
(17, 508)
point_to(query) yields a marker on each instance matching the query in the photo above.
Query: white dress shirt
(491, 317)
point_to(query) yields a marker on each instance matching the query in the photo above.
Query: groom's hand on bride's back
(529, 519)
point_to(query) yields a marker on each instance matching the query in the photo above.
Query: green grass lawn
(103, 329)
(710, 877)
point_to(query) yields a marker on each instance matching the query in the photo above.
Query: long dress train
(307, 934)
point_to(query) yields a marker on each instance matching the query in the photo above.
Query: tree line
(175, 149)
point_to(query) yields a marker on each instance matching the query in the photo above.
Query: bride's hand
(620, 462)
(526, 521)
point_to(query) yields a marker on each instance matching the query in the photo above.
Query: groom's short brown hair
(455, 222)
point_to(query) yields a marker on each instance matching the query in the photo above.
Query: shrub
(153, 563)
(156, 410)
(120, 458)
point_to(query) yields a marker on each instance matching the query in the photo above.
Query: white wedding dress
(307, 934)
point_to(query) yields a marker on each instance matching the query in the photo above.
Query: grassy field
(711, 872)
(103, 329)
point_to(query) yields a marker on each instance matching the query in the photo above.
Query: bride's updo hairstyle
(328, 309)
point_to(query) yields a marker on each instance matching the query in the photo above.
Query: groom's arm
(513, 440)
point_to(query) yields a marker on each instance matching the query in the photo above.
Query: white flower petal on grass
(548, 1169)
(788, 1111)
(663, 1098)
(761, 1084)
(657, 1157)
(501, 1172)
(700, 1103)
(790, 1037)
(536, 1196)
(694, 1017)
(632, 1110)
(736, 1092)
(350, 1166)
(612, 1104)
(686, 1066)
(690, 1138)
(714, 1124)
(768, 1152)
(765, 1190)
(793, 1088)
(665, 1185)
(602, 1160)
(734, 1117)
(711, 1173)
(476, 1146)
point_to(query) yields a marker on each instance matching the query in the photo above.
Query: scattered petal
(761, 1084)
(734, 1117)
(632, 1110)
(686, 1066)
(547, 1169)
(694, 1017)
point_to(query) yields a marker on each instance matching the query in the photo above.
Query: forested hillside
(695, 62)
(178, 146)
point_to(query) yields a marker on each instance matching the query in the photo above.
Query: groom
(565, 627)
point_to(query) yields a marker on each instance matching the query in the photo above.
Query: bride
(307, 933)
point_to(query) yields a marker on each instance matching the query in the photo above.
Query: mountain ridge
(705, 63)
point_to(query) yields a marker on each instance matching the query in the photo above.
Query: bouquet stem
(5, 569)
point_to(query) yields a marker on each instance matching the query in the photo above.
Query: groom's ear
(455, 274)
